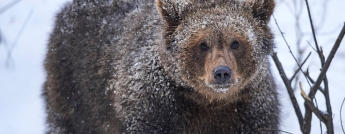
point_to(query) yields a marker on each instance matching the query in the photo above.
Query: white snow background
(21, 79)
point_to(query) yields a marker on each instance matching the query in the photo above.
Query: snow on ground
(21, 79)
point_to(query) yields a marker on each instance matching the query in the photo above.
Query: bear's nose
(222, 74)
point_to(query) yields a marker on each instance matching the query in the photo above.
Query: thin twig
(289, 89)
(311, 46)
(312, 81)
(0, 37)
(21, 30)
(293, 76)
(283, 36)
(341, 119)
(298, 9)
(8, 6)
(312, 27)
(290, 48)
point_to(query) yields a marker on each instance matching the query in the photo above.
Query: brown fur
(126, 67)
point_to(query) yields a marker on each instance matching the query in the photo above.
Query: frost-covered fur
(124, 67)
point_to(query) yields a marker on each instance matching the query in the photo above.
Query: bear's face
(217, 49)
(214, 60)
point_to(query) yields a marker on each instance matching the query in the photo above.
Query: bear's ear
(262, 9)
(168, 11)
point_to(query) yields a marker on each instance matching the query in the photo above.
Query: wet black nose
(222, 74)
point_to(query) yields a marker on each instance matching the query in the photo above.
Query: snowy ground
(21, 79)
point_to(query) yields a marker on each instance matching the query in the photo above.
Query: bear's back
(82, 51)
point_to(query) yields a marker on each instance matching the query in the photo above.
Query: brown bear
(164, 66)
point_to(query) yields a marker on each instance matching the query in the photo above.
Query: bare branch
(322, 77)
(325, 117)
(327, 64)
(0, 37)
(311, 106)
(299, 68)
(312, 28)
(8, 6)
(312, 81)
(329, 118)
(9, 54)
(341, 120)
(283, 36)
(311, 46)
(302, 92)
(289, 89)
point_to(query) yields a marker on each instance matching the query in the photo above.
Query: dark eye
(203, 46)
(235, 45)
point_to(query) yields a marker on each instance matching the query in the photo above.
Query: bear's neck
(257, 110)
(199, 119)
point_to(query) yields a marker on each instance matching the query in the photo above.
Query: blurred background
(25, 26)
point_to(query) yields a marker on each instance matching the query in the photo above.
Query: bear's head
(216, 48)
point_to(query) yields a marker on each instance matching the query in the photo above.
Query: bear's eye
(235, 45)
(203, 46)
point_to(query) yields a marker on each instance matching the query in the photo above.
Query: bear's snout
(222, 74)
